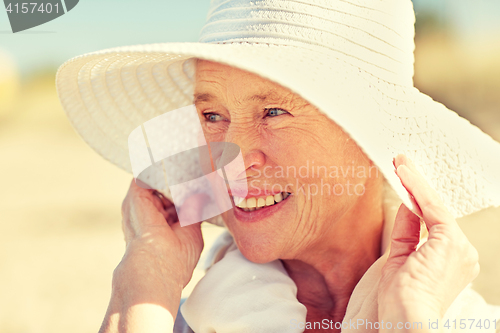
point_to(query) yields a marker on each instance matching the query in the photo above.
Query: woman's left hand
(418, 285)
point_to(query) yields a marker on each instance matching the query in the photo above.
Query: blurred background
(60, 232)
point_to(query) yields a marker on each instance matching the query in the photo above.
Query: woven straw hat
(352, 59)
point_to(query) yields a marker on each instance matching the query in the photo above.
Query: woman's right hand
(159, 260)
(151, 227)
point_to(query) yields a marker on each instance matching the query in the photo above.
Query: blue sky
(98, 24)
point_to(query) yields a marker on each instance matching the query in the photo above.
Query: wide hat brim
(109, 93)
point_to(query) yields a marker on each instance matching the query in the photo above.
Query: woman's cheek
(280, 139)
(213, 132)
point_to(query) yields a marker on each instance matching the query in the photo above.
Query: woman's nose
(253, 159)
(237, 164)
(249, 150)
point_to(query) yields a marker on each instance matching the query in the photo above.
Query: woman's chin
(256, 249)
(260, 240)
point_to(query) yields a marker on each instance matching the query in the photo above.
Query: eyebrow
(207, 97)
(203, 98)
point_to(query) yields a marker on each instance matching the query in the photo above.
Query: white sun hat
(352, 59)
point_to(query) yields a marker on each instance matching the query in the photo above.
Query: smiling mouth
(256, 203)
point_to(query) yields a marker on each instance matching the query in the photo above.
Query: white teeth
(254, 203)
(251, 202)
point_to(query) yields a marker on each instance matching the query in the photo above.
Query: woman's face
(287, 146)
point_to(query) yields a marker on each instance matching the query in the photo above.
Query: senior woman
(321, 88)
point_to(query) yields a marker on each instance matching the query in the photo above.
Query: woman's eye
(213, 117)
(273, 112)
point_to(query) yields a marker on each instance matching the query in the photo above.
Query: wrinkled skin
(326, 242)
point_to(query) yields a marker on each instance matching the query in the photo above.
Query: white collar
(237, 295)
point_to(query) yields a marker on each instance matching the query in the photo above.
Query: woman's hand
(151, 227)
(418, 285)
(159, 260)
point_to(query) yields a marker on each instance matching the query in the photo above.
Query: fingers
(146, 206)
(138, 197)
(432, 208)
(405, 234)
(171, 215)
(165, 201)
(145, 218)
(165, 206)
(189, 230)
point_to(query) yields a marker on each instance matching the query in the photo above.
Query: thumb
(405, 235)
